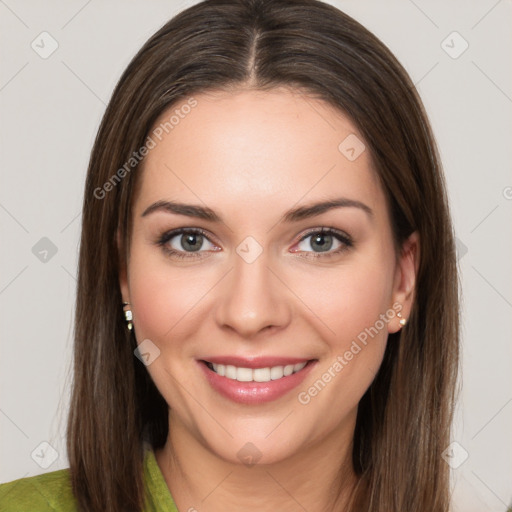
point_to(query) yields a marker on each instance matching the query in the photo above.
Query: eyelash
(342, 237)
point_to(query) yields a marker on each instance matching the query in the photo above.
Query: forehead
(257, 148)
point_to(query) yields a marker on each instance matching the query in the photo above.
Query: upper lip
(255, 362)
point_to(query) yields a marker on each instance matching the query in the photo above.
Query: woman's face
(259, 293)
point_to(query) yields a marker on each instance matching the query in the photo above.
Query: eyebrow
(293, 215)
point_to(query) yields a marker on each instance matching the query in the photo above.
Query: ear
(122, 265)
(404, 286)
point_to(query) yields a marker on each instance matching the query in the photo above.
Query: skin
(251, 156)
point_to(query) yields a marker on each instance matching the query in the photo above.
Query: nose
(253, 298)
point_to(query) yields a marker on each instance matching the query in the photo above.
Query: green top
(51, 492)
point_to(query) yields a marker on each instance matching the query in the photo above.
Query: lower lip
(255, 392)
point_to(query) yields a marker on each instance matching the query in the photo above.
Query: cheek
(350, 303)
(349, 299)
(164, 299)
(350, 306)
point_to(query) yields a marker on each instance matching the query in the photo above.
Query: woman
(266, 228)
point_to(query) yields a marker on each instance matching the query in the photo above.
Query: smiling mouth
(266, 374)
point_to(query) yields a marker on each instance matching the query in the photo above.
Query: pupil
(189, 240)
(323, 246)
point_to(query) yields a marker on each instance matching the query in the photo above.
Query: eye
(185, 243)
(190, 243)
(322, 241)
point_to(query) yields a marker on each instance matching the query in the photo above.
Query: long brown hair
(404, 419)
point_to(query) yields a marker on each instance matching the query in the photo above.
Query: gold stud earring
(128, 316)
(403, 321)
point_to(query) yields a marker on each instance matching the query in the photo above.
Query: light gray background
(51, 109)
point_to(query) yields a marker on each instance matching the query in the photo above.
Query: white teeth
(276, 372)
(244, 374)
(220, 369)
(288, 370)
(298, 367)
(256, 374)
(230, 372)
(261, 374)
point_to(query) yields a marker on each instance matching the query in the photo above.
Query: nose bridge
(252, 297)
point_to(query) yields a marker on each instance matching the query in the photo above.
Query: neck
(318, 479)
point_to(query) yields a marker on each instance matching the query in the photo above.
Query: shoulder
(49, 492)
